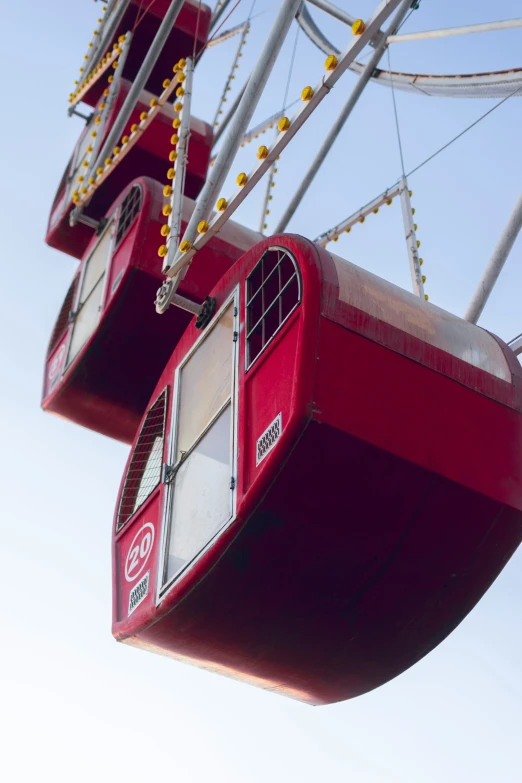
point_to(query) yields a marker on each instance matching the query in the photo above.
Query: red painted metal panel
(384, 511)
(143, 17)
(149, 158)
(107, 386)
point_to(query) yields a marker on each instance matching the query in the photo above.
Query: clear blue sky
(75, 705)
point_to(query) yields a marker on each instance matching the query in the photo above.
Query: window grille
(144, 472)
(130, 207)
(273, 292)
(63, 318)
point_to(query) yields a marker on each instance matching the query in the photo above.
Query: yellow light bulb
(221, 205)
(167, 210)
(176, 122)
(162, 251)
(134, 128)
(180, 92)
(185, 246)
(143, 116)
(262, 153)
(99, 171)
(358, 27)
(424, 278)
(202, 227)
(178, 106)
(171, 174)
(91, 180)
(181, 77)
(418, 243)
(116, 150)
(173, 155)
(242, 179)
(124, 139)
(153, 102)
(426, 297)
(283, 124)
(331, 63)
(421, 261)
(307, 94)
(167, 191)
(182, 63)
(165, 230)
(165, 83)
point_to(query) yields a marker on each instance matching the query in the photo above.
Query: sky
(76, 706)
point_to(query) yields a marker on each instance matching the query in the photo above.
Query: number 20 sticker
(139, 552)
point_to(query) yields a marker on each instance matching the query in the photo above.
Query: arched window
(144, 473)
(130, 207)
(273, 292)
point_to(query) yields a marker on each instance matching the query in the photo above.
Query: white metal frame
(163, 587)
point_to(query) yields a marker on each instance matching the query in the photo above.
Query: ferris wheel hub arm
(495, 264)
(339, 123)
(485, 27)
(236, 132)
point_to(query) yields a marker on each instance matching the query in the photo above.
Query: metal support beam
(180, 169)
(111, 21)
(88, 221)
(186, 304)
(487, 27)
(411, 240)
(516, 345)
(242, 116)
(354, 48)
(496, 262)
(228, 116)
(357, 217)
(332, 9)
(96, 157)
(339, 123)
(141, 77)
(218, 13)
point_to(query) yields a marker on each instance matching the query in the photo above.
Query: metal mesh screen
(130, 207)
(63, 318)
(273, 292)
(144, 473)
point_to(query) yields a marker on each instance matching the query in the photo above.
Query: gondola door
(90, 297)
(200, 499)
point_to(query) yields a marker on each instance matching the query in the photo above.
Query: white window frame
(248, 362)
(111, 226)
(164, 587)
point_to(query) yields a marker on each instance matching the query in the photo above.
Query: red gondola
(143, 19)
(148, 157)
(109, 346)
(325, 482)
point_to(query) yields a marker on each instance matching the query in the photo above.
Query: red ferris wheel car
(324, 483)
(109, 346)
(143, 18)
(149, 157)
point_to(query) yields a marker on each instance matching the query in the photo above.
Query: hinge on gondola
(235, 337)
(168, 472)
(232, 483)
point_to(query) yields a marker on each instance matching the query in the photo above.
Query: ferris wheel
(280, 519)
